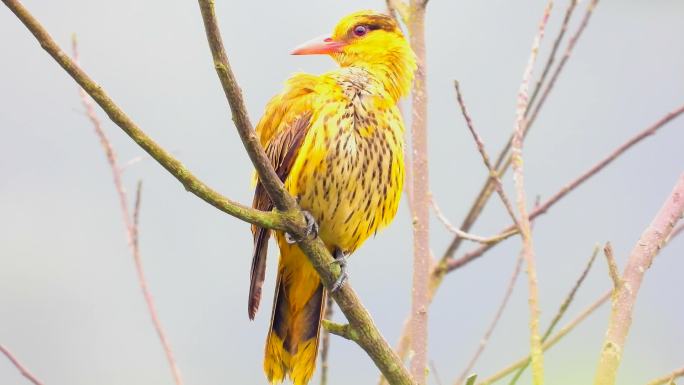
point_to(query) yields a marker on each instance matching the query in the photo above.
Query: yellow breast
(350, 170)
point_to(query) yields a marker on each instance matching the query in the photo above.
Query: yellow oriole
(337, 141)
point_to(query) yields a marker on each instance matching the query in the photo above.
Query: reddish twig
(499, 312)
(325, 341)
(562, 309)
(453, 229)
(624, 297)
(536, 351)
(130, 222)
(550, 342)
(22, 369)
(668, 378)
(493, 174)
(544, 207)
(503, 160)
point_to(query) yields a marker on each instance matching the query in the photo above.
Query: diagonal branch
(22, 369)
(291, 220)
(119, 117)
(625, 295)
(668, 378)
(130, 222)
(565, 190)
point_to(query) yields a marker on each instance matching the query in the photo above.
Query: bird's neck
(394, 73)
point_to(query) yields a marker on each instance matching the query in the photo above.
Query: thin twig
(472, 237)
(644, 252)
(668, 378)
(549, 343)
(130, 222)
(565, 190)
(503, 160)
(499, 312)
(493, 174)
(435, 373)
(563, 307)
(22, 369)
(612, 266)
(502, 163)
(536, 351)
(325, 341)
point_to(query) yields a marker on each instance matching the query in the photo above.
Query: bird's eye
(360, 30)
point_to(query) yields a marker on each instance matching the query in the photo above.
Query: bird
(336, 141)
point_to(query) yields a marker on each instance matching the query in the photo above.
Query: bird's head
(372, 40)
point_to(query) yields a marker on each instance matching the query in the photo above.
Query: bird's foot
(341, 260)
(311, 229)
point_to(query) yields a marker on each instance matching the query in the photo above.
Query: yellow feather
(348, 172)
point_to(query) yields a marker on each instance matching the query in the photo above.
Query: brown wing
(282, 150)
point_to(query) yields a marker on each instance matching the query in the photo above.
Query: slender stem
(624, 297)
(536, 351)
(668, 378)
(325, 341)
(612, 267)
(118, 116)
(471, 237)
(563, 308)
(498, 186)
(549, 343)
(22, 369)
(502, 163)
(130, 221)
(499, 312)
(421, 199)
(572, 185)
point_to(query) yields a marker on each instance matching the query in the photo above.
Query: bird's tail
(292, 342)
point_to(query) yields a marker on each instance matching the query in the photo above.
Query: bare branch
(499, 312)
(472, 237)
(345, 331)
(493, 174)
(503, 160)
(624, 298)
(565, 190)
(536, 351)
(22, 369)
(325, 341)
(422, 262)
(550, 342)
(400, 7)
(612, 266)
(563, 308)
(130, 222)
(668, 378)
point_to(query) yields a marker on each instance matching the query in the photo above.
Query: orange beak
(321, 45)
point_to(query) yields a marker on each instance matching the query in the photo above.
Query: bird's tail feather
(292, 342)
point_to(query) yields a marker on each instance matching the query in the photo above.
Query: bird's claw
(341, 260)
(311, 229)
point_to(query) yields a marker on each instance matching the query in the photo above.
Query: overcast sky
(70, 307)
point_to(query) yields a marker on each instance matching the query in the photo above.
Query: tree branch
(624, 298)
(668, 378)
(22, 369)
(549, 343)
(291, 221)
(536, 351)
(130, 222)
(565, 190)
(563, 308)
(612, 267)
(119, 117)
(421, 197)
